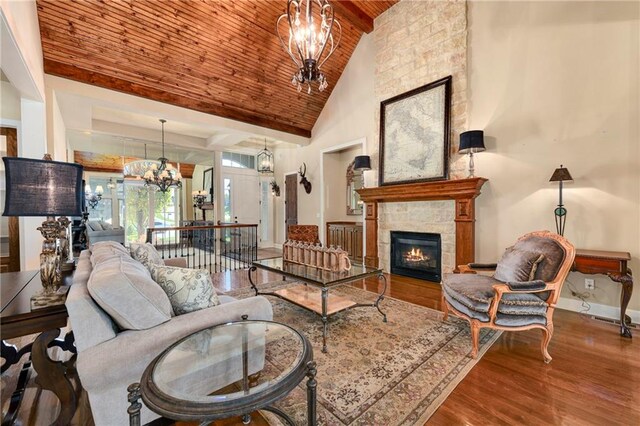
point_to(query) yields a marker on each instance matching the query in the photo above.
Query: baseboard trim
(597, 309)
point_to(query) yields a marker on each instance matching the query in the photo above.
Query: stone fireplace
(443, 207)
(416, 254)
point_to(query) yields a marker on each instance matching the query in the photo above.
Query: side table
(227, 370)
(614, 265)
(17, 320)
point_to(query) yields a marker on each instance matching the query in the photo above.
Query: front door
(291, 201)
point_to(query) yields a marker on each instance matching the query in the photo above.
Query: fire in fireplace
(416, 254)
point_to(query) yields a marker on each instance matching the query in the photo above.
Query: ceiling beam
(353, 14)
(120, 85)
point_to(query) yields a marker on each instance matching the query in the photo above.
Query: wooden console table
(17, 320)
(614, 265)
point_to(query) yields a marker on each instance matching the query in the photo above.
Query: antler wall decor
(303, 181)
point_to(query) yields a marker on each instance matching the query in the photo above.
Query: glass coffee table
(313, 294)
(227, 370)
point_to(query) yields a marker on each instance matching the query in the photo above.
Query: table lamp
(44, 188)
(561, 174)
(471, 142)
(362, 163)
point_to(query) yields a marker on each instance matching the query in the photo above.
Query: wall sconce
(199, 197)
(93, 198)
(275, 188)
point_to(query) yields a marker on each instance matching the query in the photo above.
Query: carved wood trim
(463, 191)
(106, 163)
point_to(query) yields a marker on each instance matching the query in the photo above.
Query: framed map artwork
(414, 135)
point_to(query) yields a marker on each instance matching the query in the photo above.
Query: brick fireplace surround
(462, 191)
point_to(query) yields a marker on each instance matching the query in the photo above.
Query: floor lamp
(560, 175)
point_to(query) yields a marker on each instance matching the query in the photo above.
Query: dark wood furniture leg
(626, 280)
(16, 396)
(614, 265)
(54, 376)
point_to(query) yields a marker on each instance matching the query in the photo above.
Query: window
(240, 161)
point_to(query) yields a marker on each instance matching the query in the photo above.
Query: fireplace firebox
(416, 254)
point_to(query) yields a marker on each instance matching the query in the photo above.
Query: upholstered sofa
(109, 359)
(98, 230)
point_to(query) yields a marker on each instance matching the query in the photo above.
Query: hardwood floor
(594, 378)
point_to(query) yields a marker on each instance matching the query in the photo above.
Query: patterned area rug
(376, 373)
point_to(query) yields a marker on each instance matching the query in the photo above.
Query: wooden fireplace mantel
(463, 191)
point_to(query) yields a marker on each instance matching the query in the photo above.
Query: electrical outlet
(589, 284)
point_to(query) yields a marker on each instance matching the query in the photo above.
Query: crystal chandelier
(160, 173)
(265, 160)
(311, 40)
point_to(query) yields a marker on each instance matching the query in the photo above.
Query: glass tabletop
(229, 362)
(316, 275)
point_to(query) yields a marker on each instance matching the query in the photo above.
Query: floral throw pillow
(188, 289)
(146, 254)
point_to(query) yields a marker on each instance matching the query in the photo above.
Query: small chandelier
(93, 198)
(265, 160)
(164, 175)
(310, 39)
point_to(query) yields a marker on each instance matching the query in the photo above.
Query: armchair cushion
(527, 285)
(472, 295)
(188, 289)
(517, 265)
(554, 255)
(483, 265)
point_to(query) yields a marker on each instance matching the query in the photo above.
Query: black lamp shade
(362, 162)
(42, 188)
(471, 141)
(561, 174)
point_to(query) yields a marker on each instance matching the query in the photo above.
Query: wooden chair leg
(445, 308)
(546, 338)
(475, 334)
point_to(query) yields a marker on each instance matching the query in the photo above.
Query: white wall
(21, 61)
(335, 184)
(20, 18)
(347, 116)
(9, 102)
(56, 130)
(552, 83)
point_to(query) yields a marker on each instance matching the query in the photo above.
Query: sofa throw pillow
(95, 225)
(125, 290)
(106, 250)
(517, 265)
(146, 254)
(188, 289)
(114, 245)
(106, 226)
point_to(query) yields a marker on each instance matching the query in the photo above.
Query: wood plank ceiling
(216, 56)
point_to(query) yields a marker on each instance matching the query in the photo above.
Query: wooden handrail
(188, 228)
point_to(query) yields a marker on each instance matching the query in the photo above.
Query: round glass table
(228, 370)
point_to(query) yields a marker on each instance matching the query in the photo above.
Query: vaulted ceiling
(220, 57)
